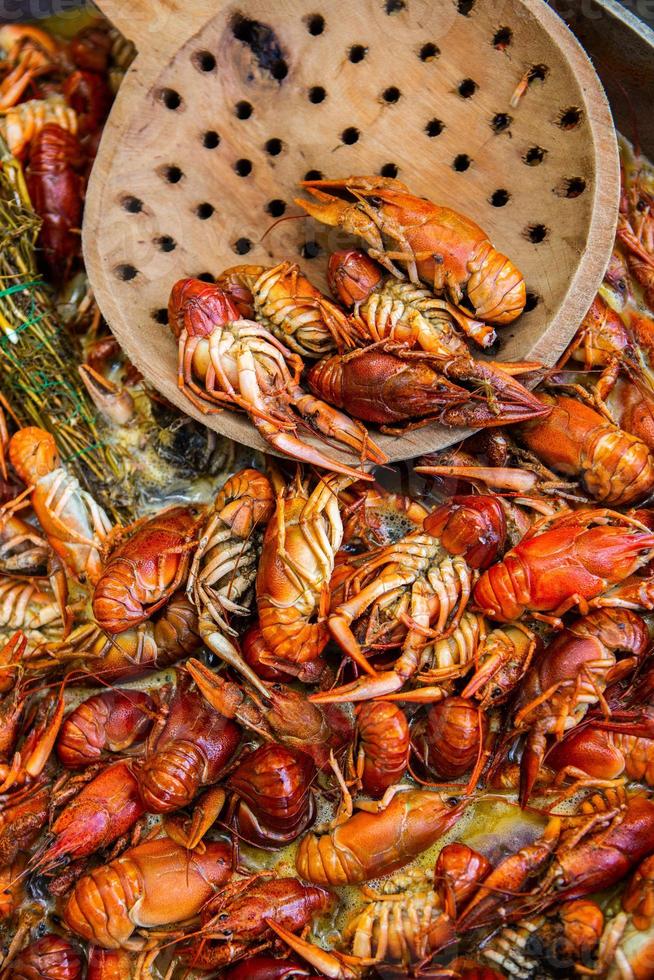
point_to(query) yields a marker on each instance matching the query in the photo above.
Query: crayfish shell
(274, 786)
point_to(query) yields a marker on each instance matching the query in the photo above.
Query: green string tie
(18, 287)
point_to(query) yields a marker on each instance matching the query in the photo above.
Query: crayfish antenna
(361, 184)
(336, 966)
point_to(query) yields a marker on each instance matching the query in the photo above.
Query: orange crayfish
(391, 308)
(105, 808)
(225, 360)
(143, 571)
(563, 562)
(387, 383)
(74, 524)
(54, 180)
(189, 750)
(111, 721)
(569, 675)
(288, 305)
(614, 466)
(48, 957)
(379, 838)
(435, 244)
(244, 916)
(423, 582)
(109, 904)
(297, 561)
(273, 786)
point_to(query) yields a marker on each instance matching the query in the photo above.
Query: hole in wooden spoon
(429, 51)
(350, 135)
(132, 204)
(125, 272)
(315, 24)
(276, 207)
(534, 156)
(502, 38)
(500, 197)
(461, 162)
(434, 128)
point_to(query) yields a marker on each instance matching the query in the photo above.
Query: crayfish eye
(223, 916)
(375, 201)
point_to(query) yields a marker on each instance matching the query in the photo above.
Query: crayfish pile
(394, 353)
(288, 720)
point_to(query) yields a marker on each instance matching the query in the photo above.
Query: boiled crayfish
(435, 244)
(225, 360)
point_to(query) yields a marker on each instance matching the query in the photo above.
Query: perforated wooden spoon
(229, 105)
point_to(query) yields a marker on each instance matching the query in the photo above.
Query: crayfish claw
(498, 398)
(206, 679)
(378, 685)
(337, 213)
(419, 695)
(498, 477)
(290, 445)
(188, 832)
(114, 402)
(336, 425)
(337, 966)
